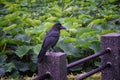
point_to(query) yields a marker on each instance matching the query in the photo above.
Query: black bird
(50, 40)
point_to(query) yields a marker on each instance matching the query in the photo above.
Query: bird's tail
(41, 55)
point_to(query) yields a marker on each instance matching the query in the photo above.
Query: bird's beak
(62, 27)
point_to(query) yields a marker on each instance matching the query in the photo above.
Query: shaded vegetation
(70, 77)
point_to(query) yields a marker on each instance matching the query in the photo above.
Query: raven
(50, 40)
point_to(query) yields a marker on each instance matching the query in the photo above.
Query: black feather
(50, 40)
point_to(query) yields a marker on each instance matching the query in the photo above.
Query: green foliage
(23, 24)
(22, 50)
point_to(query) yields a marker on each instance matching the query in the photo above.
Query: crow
(50, 40)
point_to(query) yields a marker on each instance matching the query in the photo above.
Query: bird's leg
(52, 50)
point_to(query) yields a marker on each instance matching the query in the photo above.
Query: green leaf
(52, 18)
(4, 23)
(69, 49)
(64, 33)
(9, 67)
(22, 50)
(69, 39)
(47, 25)
(8, 40)
(96, 22)
(106, 26)
(34, 59)
(37, 48)
(9, 27)
(85, 36)
(68, 25)
(22, 66)
(38, 29)
(22, 38)
(2, 59)
(15, 74)
(97, 63)
(108, 31)
(95, 45)
(32, 1)
(33, 67)
(84, 43)
(85, 18)
(83, 32)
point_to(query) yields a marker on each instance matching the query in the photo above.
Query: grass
(93, 77)
(70, 77)
(20, 78)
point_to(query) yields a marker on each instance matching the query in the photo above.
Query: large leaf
(83, 32)
(69, 40)
(9, 27)
(38, 29)
(22, 66)
(96, 22)
(2, 59)
(23, 38)
(9, 41)
(9, 66)
(64, 33)
(85, 18)
(34, 59)
(95, 45)
(37, 48)
(85, 36)
(22, 50)
(33, 67)
(15, 74)
(69, 49)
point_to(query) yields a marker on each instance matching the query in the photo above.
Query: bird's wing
(53, 33)
(49, 42)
